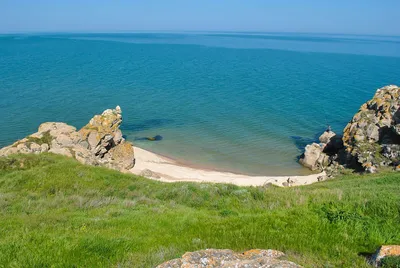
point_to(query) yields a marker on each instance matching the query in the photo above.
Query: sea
(232, 101)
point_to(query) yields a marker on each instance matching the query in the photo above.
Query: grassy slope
(57, 212)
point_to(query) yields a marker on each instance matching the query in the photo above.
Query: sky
(376, 17)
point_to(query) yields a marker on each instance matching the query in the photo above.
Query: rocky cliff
(372, 137)
(100, 142)
(370, 140)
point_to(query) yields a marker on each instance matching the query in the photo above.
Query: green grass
(55, 212)
(391, 262)
(45, 139)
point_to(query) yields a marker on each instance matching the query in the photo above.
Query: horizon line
(188, 31)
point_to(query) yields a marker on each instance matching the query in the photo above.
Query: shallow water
(239, 102)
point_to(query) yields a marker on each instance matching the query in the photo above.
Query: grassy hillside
(57, 212)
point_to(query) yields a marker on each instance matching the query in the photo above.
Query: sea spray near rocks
(100, 142)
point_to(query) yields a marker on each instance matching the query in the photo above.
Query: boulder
(224, 258)
(391, 151)
(149, 174)
(375, 123)
(155, 138)
(385, 251)
(318, 156)
(314, 158)
(102, 132)
(326, 136)
(122, 155)
(100, 142)
(370, 140)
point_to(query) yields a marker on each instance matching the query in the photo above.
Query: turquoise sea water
(232, 101)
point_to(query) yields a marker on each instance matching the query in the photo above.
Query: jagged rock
(326, 136)
(224, 258)
(370, 140)
(102, 132)
(391, 151)
(100, 142)
(122, 155)
(374, 124)
(84, 156)
(314, 158)
(318, 156)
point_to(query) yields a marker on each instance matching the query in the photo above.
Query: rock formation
(370, 140)
(372, 137)
(384, 252)
(100, 142)
(318, 156)
(213, 258)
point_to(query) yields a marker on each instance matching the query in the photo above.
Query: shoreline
(161, 168)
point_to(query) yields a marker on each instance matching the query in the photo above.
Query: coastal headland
(370, 141)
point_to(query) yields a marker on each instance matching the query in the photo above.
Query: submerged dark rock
(155, 138)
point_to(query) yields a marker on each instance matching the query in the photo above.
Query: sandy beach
(157, 167)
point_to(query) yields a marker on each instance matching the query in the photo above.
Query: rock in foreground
(224, 258)
(100, 142)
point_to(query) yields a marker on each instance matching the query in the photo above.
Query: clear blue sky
(327, 16)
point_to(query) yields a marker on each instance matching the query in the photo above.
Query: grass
(391, 262)
(55, 212)
(45, 139)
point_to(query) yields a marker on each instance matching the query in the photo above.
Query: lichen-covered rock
(374, 129)
(224, 258)
(100, 142)
(385, 251)
(122, 156)
(102, 132)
